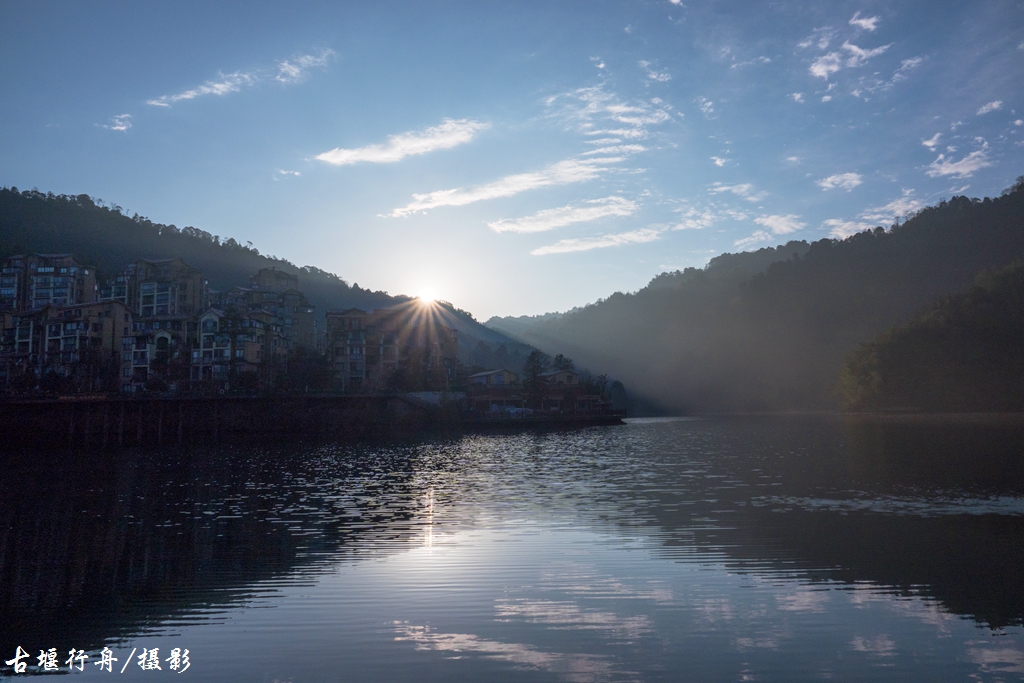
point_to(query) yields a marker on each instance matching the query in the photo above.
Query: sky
(518, 157)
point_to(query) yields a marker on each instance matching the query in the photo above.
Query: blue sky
(513, 158)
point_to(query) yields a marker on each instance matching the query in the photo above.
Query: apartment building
(30, 282)
(244, 347)
(76, 348)
(405, 346)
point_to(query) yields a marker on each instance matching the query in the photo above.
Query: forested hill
(723, 339)
(102, 236)
(964, 354)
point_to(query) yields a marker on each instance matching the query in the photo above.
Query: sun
(426, 296)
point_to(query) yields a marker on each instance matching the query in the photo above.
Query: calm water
(751, 549)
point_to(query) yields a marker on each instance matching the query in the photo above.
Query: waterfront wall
(157, 421)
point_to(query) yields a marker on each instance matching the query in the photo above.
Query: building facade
(403, 347)
(30, 282)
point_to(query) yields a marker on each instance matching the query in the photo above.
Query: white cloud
(798, 97)
(1019, 122)
(897, 208)
(866, 23)
(781, 225)
(820, 37)
(932, 142)
(842, 229)
(832, 62)
(600, 242)
(905, 66)
(720, 161)
(845, 181)
(756, 60)
(706, 106)
(561, 173)
(121, 122)
(549, 219)
(224, 84)
(964, 168)
(991, 106)
(295, 70)
(660, 76)
(745, 190)
(826, 98)
(859, 56)
(828, 64)
(585, 105)
(616, 149)
(451, 133)
(793, 159)
(283, 172)
(759, 236)
(693, 218)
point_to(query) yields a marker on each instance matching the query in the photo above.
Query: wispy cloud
(798, 97)
(600, 242)
(781, 225)
(284, 173)
(841, 229)
(591, 107)
(296, 69)
(561, 173)
(845, 181)
(991, 106)
(692, 218)
(756, 60)
(964, 168)
(832, 62)
(616, 149)
(720, 161)
(897, 208)
(293, 70)
(451, 133)
(662, 76)
(220, 86)
(706, 106)
(745, 190)
(820, 37)
(549, 219)
(121, 123)
(866, 23)
(932, 142)
(756, 238)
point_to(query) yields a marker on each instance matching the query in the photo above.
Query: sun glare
(426, 296)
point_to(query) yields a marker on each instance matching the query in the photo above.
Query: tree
(563, 363)
(534, 383)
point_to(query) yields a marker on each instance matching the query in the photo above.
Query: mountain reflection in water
(765, 548)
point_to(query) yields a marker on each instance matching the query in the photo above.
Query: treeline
(965, 354)
(101, 235)
(728, 337)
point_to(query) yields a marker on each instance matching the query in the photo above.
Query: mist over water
(768, 548)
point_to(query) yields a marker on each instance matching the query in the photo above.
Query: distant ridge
(770, 330)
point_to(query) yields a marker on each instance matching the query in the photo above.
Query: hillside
(103, 237)
(965, 354)
(724, 339)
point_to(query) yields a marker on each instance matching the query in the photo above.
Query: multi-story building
(66, 348)
(277, 293)
(165, 296)
(405, 346)
(163, 288)
(243, 347)
(29, 282)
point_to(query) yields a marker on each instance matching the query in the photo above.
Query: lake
(705, 549)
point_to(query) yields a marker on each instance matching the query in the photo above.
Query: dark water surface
(732, 549)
